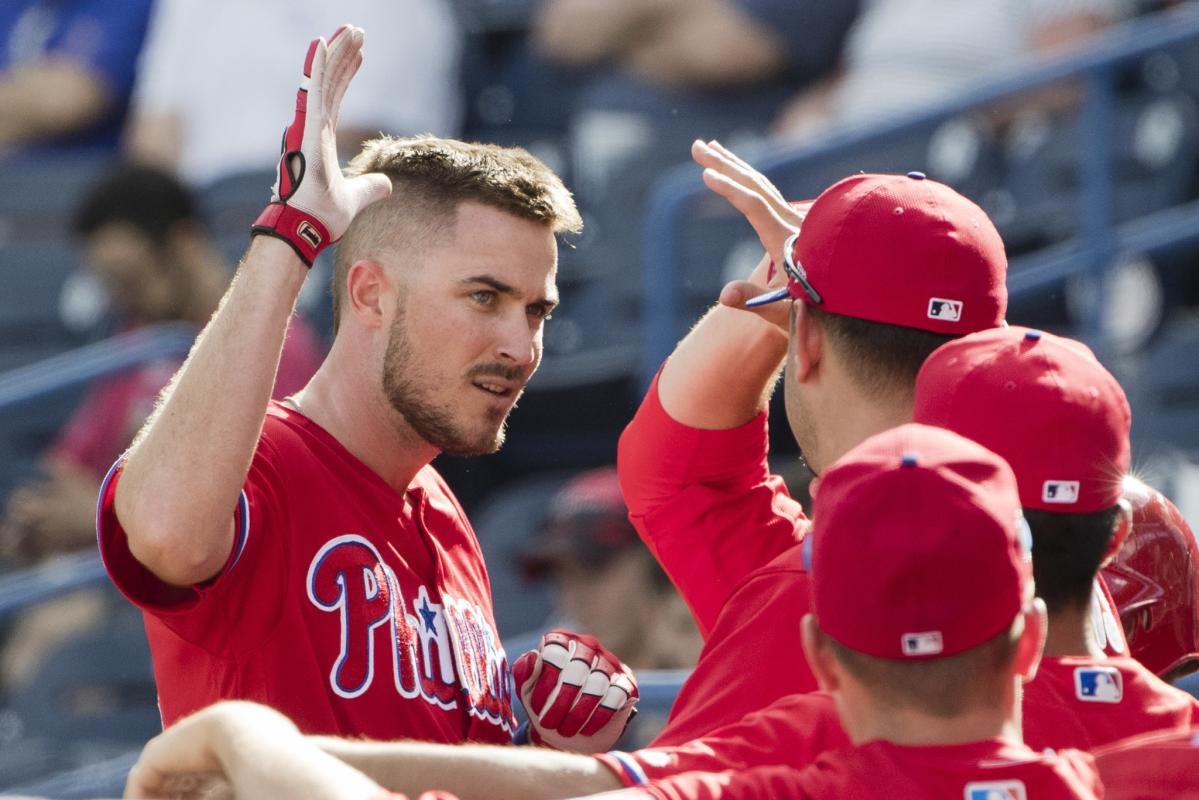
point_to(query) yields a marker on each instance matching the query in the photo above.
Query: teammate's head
(134, 224)
(884, 269)
(921, 579)
(1155, 583)
(449, 281)
(1046, 405)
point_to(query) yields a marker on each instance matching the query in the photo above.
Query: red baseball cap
(586, 523)
(898, 249)
(919, 549)
(1044, 403)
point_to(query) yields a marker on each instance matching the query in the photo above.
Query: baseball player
(1047, 406)
(1155, 583)
(885, 269)
(1155, 766)
(923, 625)
(305, 554)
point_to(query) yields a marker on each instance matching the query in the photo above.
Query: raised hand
(312, 203)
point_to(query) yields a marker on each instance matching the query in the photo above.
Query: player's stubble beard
(411, 393)
(803, 427)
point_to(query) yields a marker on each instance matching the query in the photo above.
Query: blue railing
(1098, 240)
(66, 371)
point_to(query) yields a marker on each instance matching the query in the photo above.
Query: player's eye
(483, 297)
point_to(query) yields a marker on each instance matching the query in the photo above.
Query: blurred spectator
(903, 55)
(607, 583)
(649, 76)
(206, 101)
(66, 71)
(144, 242)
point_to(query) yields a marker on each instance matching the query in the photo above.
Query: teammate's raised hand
(312, 203)
(772, 217)
(578, 695)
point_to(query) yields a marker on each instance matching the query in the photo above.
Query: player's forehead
(486, 241)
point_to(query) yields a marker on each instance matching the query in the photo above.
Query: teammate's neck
(1071, 633)
(914, 728)
(849, 418)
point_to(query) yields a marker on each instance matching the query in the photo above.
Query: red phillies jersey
(1085, 702)
(1157, 766)
(792, 731)
(989, 770)
(729, 535)
(353, 609)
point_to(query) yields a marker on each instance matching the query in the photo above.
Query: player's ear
(819, 654)
(806, 342)
(367, 286)
(1122, 527)
(1032, 639)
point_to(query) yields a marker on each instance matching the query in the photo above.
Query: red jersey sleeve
(232, 610)
(704, 502)
(793, 732)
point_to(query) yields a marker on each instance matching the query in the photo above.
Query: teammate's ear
(1122, 527)
(367, 285)
(1032, 639)
(806, 343)
(819, 654)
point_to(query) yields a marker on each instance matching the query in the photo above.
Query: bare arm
(176, 497)
(707, 43)
(47, 99)
(186, 468)
(722, 374)
(257, 750)
(474, 772)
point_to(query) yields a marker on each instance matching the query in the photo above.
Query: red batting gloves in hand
(578, 696)
(312, 203)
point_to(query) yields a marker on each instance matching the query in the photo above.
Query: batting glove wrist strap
(306, 234)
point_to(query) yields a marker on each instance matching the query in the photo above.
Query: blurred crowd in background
(148, 130)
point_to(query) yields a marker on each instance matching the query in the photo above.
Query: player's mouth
(496, 388)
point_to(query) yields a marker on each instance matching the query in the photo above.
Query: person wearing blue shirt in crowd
(66, 72)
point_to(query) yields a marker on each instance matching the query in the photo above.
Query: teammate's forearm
(474, 772)
(186, 468)
(723, 373)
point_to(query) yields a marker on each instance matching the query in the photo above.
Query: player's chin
(485, 441)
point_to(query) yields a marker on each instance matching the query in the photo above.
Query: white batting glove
(312, 203)
(578, 695)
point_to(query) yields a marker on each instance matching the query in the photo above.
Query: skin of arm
(257, 751)
(474, 772)
(190, 460)
(49, 98)
(695, 386)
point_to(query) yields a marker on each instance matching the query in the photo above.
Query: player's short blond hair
(430, 177)
(942, 687)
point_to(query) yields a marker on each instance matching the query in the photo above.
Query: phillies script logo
(442, 653)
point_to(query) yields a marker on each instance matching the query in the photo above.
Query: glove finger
(367, 189)
(570, 683)
(554, 658)
(619, 697)
(594, 688)
(524, 669)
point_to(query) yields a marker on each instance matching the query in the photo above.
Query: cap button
(1032, 336)
(908, 460)
(917, 176)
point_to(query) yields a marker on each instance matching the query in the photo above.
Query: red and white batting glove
(579, 697)
(312, 203)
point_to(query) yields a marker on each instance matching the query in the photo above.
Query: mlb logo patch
(944, 310)
(1099, 684)
(996, 790)
(928, 643)
(1059, 492)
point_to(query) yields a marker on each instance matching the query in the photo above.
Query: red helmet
(1154, 581)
